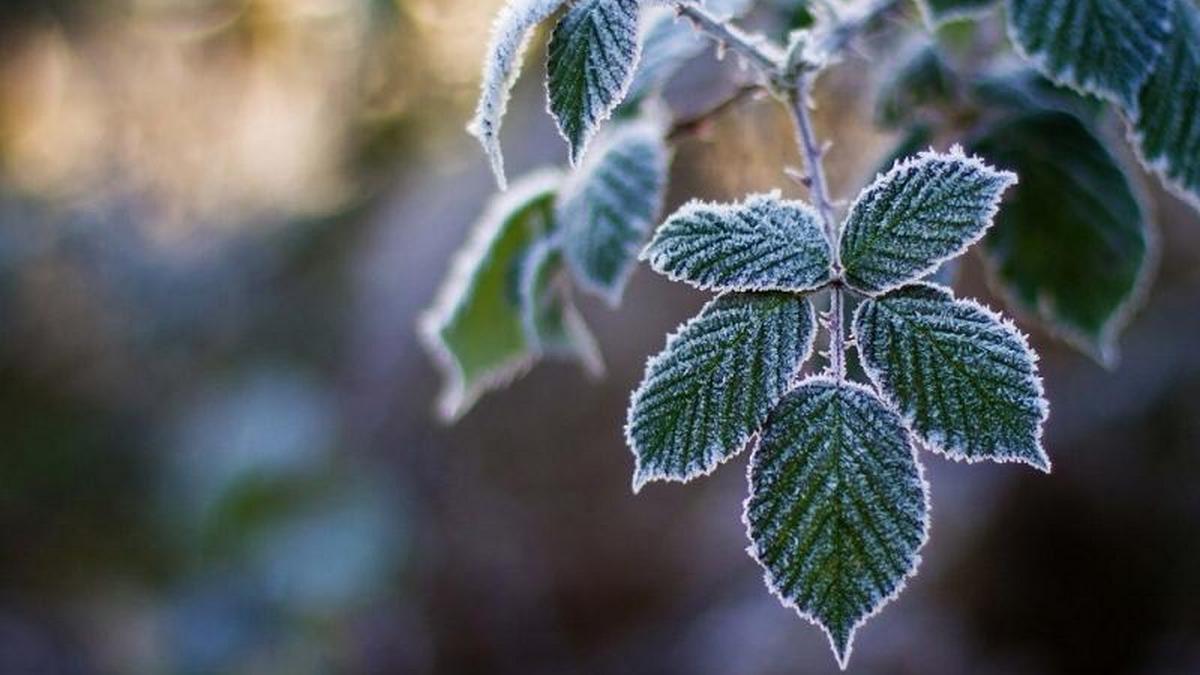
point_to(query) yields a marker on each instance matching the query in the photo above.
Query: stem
(819, 190)
(769, 61)
(759, 51)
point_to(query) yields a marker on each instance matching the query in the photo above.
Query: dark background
(219, 221)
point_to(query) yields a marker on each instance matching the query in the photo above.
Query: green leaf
(1071, 244)
(593, 55)
(1102, 47)
(713, 385)
(938, 12)
(838, 507)
(964, 380)
(607, 207)
(926, 210)
(764, 243)
(475, 329)
(1165, 127)
(510, 36)
(553, 325)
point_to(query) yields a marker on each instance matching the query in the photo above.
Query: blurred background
(219, 222)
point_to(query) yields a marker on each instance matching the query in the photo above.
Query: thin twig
(819, 191)
(759, 51)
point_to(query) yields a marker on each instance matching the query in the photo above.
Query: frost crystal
(926, 210)
(607, 206)
(713, 385)
(764, 243)
(838, 507)
(1101, 47)
(964, 379)
(1165, 128)
(593, 55)
(510, 35)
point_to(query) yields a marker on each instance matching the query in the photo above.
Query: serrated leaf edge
(575, 155)
(955, 151)
(456, 397)
(640, 479)
(1010, 327)
(699, 204)
(1084, 88)
(843, 660)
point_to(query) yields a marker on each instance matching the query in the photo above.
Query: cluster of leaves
(838, 508)
(1076, 196)
(508, 299)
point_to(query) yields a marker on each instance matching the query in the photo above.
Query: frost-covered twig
(819, 189)
(758, 50)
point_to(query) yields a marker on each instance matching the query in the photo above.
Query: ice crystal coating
(1165, 127)
(938, 12)
(763, 243)
(476, 329)
(607, 207)
(838, 507)
(1102, 47)
(964, 380)
(593, 55)
(553, 325)
(510, 35)
(713, 385)
(926, 210)
(1071, 243)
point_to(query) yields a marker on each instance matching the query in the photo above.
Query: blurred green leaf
(922, 78)
(476, 328)
(938, 12)
(1070, 244)
(552, 322)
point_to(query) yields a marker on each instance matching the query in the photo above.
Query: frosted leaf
(593, 54)
(553, 325)
(1165, 129)
(607, 207)
(1071, 243)
(764, 243)
(938, 12)
(925, 210)
(1102, 47)
(838, 506)
(713, 385)
(510, 35)
(476, 329)
(964, 380)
